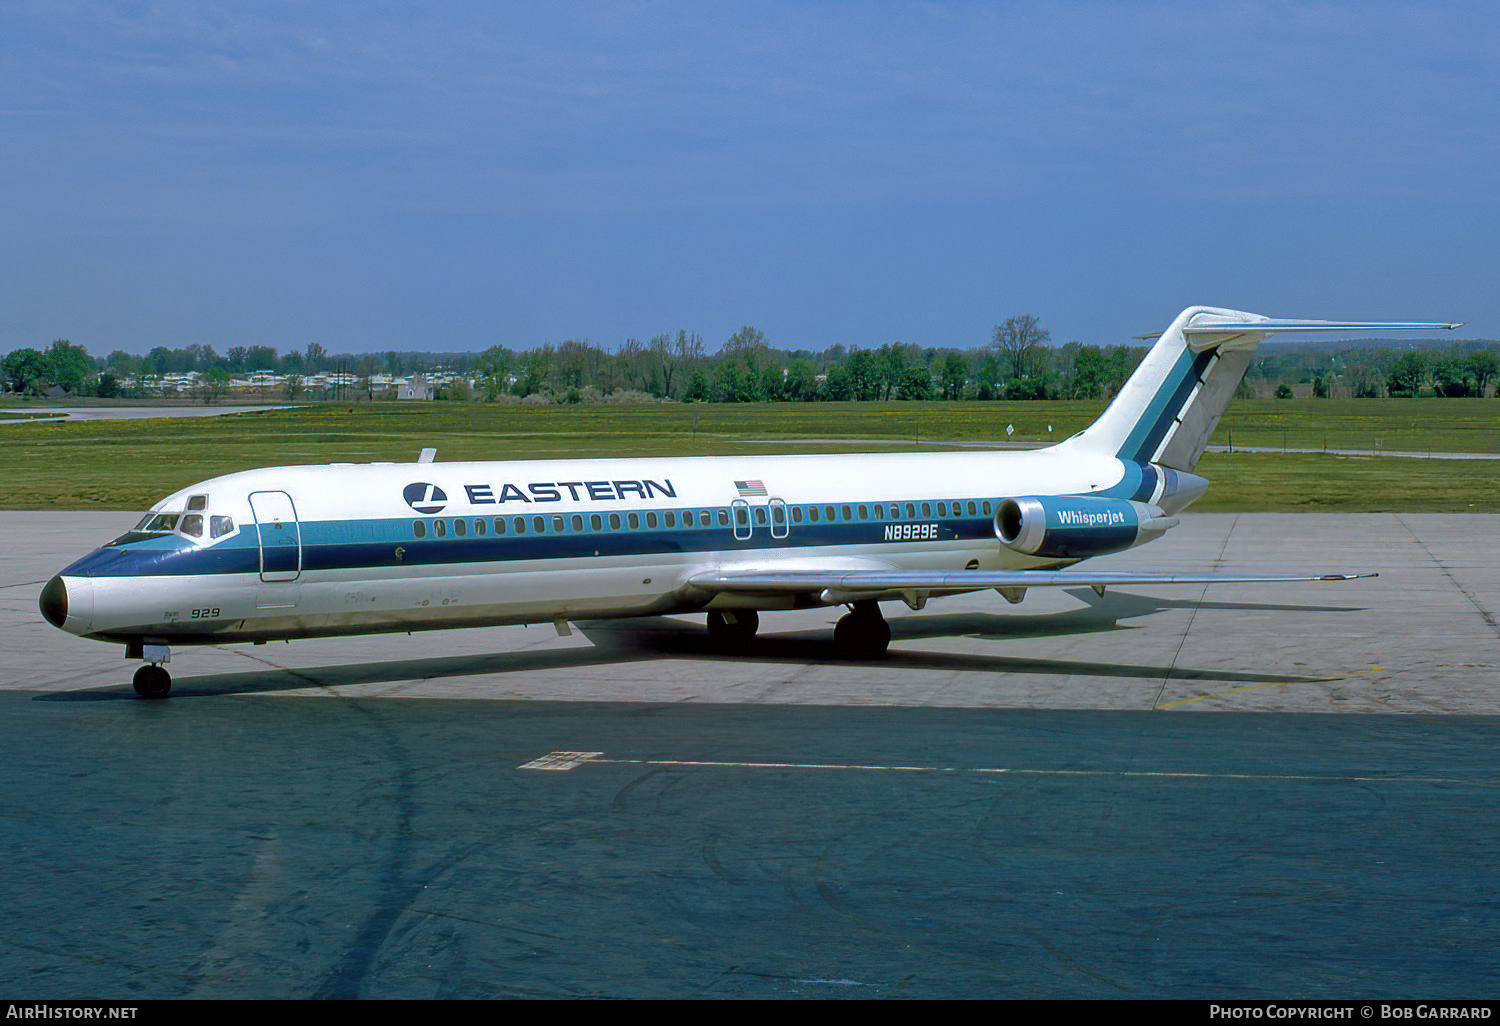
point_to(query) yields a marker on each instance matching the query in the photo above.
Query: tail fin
(1166, 411)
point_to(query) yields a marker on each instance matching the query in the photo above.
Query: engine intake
(1075, 527)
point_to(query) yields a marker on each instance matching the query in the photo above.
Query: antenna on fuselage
(428, 455)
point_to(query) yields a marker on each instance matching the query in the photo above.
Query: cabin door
(280, 536)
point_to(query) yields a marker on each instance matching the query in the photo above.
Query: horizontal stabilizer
(1272, 325)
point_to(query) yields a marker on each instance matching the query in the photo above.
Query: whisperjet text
(1074, 518)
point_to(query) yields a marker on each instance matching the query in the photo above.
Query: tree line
(1019, 361)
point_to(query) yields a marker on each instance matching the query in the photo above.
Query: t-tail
(1166, 411)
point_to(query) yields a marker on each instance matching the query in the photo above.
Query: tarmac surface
(1019, 802)
(58, 414)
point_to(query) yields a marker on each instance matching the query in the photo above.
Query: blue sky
(448, 176)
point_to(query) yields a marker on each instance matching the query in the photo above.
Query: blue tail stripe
(1164, 407)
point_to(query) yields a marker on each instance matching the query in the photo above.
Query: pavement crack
(1484, 614)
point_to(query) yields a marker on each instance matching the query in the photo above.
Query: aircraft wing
(852, 585)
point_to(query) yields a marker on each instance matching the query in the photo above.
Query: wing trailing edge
(850, 585)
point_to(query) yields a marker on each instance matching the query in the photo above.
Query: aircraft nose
(54, 602)
(68, 607)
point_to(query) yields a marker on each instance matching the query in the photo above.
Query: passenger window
(895, 512)
(539, 524)
(440, 528)
(460, 527)
(741, 516)
(218, 527)
(671, 519)
(829, 514)
(499, 525)
(687, 518)
(520, 525)
(651, 520)
(596, 522)
(723, 518)
(812, 513)
(417, 528)
(879, 511)
(927, 509)
(479, 525)
(760, 514)
(778, 515)
(557, 523)
(635, 521)
(864, 513)
(942, 509)
(911, 511)
(192, 524)
(986, 507)
(846, 514)
(578, 522)
(796, 514)
(971, 507)
(614, 521)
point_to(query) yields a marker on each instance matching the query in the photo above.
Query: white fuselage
(348, 549)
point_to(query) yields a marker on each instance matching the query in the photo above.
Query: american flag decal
(748, 489)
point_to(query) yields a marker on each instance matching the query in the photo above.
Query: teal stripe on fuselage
(368, 544)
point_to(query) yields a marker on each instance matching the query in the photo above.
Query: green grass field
(131, 464)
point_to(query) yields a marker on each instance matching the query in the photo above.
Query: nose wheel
(151, 681)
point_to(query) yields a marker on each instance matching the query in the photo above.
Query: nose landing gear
(151, 680)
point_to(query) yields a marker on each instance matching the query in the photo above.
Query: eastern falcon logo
(424, 497)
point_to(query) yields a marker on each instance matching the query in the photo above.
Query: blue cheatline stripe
(345, 545)
(1156, 420)
(1138, 483)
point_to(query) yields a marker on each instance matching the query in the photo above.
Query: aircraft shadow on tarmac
(646, 639)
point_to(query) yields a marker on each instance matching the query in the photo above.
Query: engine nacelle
(1076, 526)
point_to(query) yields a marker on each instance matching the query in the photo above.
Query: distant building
(415, 387)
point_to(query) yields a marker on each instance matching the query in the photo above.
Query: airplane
(345, 549)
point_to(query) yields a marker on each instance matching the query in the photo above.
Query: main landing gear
(860, 634)
(734, 629)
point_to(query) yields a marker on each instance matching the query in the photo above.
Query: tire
(152, 682)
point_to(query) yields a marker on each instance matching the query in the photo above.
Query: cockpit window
(151, 525)
(197, 503)
(189, 525)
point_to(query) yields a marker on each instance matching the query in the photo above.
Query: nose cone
(54, 602)
(68, 603)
